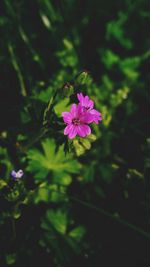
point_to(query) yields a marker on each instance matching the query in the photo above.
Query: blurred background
(87, 201)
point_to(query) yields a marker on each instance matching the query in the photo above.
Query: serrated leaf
(42, 195)
(47, 160)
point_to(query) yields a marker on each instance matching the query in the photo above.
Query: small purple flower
(88, 105)
(17, 175)
(77, 120)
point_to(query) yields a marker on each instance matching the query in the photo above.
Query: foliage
(86, 201)
(41, 164)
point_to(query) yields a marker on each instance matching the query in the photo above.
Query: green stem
(105, 213)
(17, 69)
(34, 140)
(111, 216)
(13, 229)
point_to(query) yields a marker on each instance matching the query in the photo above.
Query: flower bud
(82, 77)
(67, 89)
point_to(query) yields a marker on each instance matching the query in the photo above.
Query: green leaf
(108, 85)
(91, 137)
(89, 173)
(116, 29)
(117, 98)
(133, 173)
(49, 193)
(10, 258)
(58, 219)
(46, 21)
(2, 184)
(129, 67)
(57, 193)
(42, 195)
(44, 94)
(41, 163)
(79, 149)
(83, 78)
(82, 144)
(4, 159)
(62, 178)
(67, 56)
(16, 214)
(63, 105)
(109, 58)
(77, 233)
(86, 143)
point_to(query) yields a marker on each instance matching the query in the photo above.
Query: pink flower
(88, 105)
(77, 120)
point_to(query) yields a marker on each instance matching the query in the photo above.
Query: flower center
(76, 121)
(86, 108)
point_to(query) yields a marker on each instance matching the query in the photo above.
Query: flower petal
(73, 110)
(80, 110)
(73, 132)
(95, 112)
(96, 121)
(19, 174)
(83, 130)
(67, 117)
(96, 115)
(91, 104)
(86, 117)
(80, 131)
(80, 97)
(13, 174)
(68, 129)
(86, 101)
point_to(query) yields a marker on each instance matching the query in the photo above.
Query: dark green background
(45, 44)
